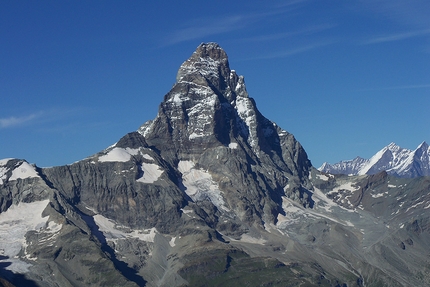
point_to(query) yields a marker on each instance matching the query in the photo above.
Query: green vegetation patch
(236, 268)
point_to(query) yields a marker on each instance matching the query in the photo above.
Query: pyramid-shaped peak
(209, 60)
(210, 50)
(423, 145)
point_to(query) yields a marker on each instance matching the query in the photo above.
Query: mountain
(393, 159)
(209, 193)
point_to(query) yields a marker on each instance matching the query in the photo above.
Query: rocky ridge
(209, 193)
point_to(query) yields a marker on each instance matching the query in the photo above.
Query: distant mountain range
(393, 159)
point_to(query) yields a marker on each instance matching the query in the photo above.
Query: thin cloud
(40, 117)
(291, 52)
(198, 30)
(397, 37)
(406, 87)
(13, 121)
(278, 36)
(292, 3)
(406, 13)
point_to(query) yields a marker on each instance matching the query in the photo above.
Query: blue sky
(345, 77)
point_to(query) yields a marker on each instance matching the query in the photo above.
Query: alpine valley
(209, 193)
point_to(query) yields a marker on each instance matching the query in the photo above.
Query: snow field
(14, 224)
(111, 233)
(119, 155)
(151, 173)
(199, 184)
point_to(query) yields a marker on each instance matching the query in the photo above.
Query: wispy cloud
(405, 13)
(208, 26)
(292, 51)
(397, 37)
(13, 121)
(198, 30)
(405, 87)
(41, 117)
(292, 3)
(305, 31)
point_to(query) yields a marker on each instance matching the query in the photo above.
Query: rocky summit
(209, 193)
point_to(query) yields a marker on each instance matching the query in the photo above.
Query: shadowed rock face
(209, 193)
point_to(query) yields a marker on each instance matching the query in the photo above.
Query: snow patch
(415, 205)
(172, 242)
(3, 170)
(14, 224)
(186, 211)
(195, 135)
(232, 145)
(119, 155)
(24, 170)
(294, 214)
(379, 194)
(116, 154)
(148, 157)
(322, 177)
(246, 113)
(151, 173)
(322, 201)
(346, 186)
(199, 185)
(177, 99)
(111, 233)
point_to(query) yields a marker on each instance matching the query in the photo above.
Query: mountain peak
(211, 50)
(209, 112)
(393, 159)
(423, 145)
(393, 147)
(209, 61)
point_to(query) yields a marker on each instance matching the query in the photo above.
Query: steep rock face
(209, 119)
(209, 107)
(44, 241)
(20, 182)
(129, 183)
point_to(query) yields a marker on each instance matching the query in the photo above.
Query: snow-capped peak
(14, 169)
(204, 86)
(423, 146)
(392, 158)
(393, 147)
(209, 60)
